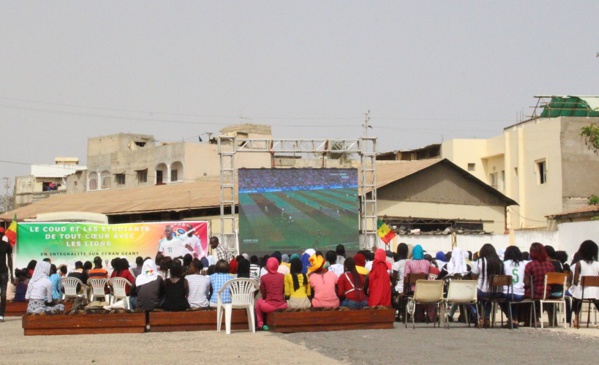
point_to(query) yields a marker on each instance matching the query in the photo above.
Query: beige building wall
(466, 153)
(492, 217)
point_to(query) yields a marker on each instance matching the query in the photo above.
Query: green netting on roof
(570, 106)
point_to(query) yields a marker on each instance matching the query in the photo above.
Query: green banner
(66, 243)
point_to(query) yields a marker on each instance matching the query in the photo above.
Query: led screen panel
(290, 210)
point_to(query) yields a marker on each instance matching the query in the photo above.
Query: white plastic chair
(98, 289)
(242, 296)
(118, 290)
(70, 284)
(462, 292)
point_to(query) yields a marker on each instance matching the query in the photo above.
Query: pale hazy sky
(427, 70)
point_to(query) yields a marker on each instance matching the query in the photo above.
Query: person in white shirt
(171, 245)
(514, 266)
(331, 257)
(199, 285)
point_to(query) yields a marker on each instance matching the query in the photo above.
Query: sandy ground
(424, 345)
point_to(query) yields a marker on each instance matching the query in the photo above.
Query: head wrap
(417, 253)
(285, 258)
(246, 256)
(306, 259)
(148, 273)
(316, 262)
(381, 256)
(272, 265)
(440, 256)
(294, 256)
(233, 267)
(457, 264)
(42, 270)
(360, 259)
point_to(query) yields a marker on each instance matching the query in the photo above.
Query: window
(542, 171)
(120, 179)
(93, 181)
(494, 180)
(142, 176)
(105, 179)
(471, 166)
(159, 177)
(174, 175)
(516, 171)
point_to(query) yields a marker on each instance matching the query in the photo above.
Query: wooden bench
(75, 324)
(198, 320)
(312, 320)
(15, 309)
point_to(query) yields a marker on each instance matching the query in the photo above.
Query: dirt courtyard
(424, 345)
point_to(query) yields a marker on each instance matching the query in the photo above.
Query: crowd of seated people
(329, 279)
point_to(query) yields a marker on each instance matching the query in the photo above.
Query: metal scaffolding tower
(229, 146)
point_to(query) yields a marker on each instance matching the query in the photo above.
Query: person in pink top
(272, 288)
(323, 284)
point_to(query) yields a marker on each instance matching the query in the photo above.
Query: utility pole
(366, 124)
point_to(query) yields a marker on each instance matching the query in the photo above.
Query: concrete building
(542, 163)
(45, 180)
(136, 160)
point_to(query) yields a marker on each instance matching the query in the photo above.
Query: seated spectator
(98, 272)
(199, 285)
(243, 268)
(149, 288)
(323, 283)
(360, 261)
(55, 279)
(297, 287)
(176, 290)
(121, 270)
(419, 265)
(487, 265)
(336, 268)
(254, 268)
(31, 267)
(379, 281)
(514, 266)
(21, 281)
(351, 286)
(139, 261)
(39, 291)
(588, 265)
(272, 287)
(217, 281)
(340, 251)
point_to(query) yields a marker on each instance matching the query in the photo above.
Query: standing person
(379, 281)
(5, 270)
(272, 288)
(219, 251)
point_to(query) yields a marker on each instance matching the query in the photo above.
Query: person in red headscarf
(272, 288)
(379, 281)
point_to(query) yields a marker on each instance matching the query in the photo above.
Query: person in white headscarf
(39, 291)
(149, 287)
(456, 266)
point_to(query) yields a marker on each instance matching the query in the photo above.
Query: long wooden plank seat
(16, 309)
(194, 320)
(312, 320)
(75, 324)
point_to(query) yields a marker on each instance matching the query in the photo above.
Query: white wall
(434, 243)
(572, 234)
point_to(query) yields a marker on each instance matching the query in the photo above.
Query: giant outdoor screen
(290, 210)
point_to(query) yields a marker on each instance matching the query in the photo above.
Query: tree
(590, 134)
(7, 203)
